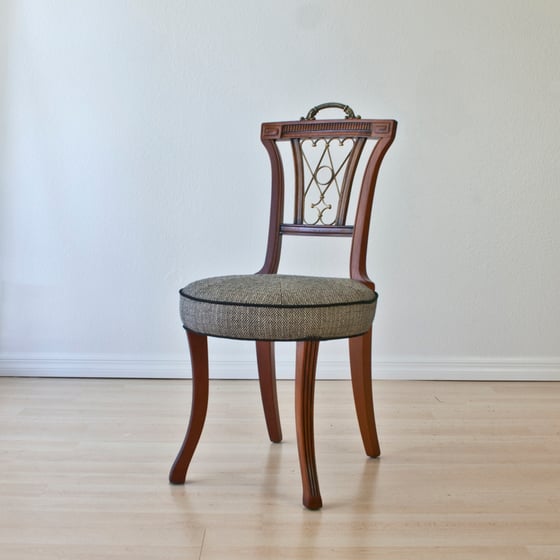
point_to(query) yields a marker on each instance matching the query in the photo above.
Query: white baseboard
(448, 368)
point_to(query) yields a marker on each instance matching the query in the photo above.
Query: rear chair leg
(267, 379)
(360, 366)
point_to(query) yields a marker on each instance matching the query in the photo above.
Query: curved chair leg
(267, 381)
(306, 364)
(198, 346)
(360, 366)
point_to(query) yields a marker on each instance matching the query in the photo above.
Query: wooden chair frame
(360, 130)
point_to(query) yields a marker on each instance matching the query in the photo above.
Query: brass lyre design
(324, 180)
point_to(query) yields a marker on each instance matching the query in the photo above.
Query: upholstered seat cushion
(278, 307)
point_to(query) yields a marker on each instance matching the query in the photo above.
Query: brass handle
(331, 105)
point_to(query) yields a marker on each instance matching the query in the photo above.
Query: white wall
(130, 164)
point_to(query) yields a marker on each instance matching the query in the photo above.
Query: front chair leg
(267, 379)
(360, 366)
(198, 346)
(306, 364)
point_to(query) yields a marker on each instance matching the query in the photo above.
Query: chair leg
(306, 364)
(267, 380)
(198, 346)
(360, 366)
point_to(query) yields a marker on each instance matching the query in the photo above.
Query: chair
(268, 307)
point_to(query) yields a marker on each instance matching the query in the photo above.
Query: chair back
(326, 157)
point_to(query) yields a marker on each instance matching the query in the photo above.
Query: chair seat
(278, 307)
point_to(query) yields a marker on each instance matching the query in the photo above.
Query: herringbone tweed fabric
(278, 307)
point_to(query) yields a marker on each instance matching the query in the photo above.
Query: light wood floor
(468, 471)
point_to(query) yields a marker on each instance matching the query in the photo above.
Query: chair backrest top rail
(347, 128)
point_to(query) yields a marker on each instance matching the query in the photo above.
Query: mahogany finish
(357, 131)
(198, 345)
(267, 380)
(360, 368)
(306, 366)
(383, 131)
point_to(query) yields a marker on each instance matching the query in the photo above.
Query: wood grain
(468, 471)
